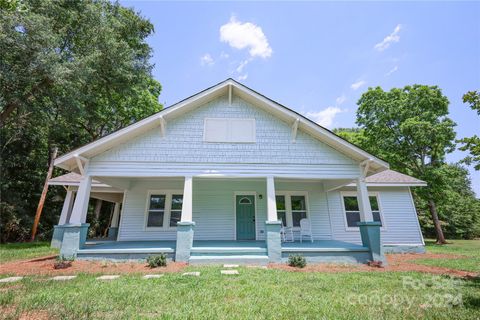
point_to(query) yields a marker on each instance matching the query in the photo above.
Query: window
(291, 208)
(245, 200)
(164, 209)
(281, 212)
(299, 210)
(229, 130)
(352, 211)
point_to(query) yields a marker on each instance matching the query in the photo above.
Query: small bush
(62, 263)
(157, 261)
(297, 261)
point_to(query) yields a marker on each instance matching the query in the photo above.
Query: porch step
(241, 259)
(228, 251)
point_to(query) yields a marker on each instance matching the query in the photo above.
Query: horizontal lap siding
(398, 212)
(132, 224)
(317, 204)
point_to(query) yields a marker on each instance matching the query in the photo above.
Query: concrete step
(230, 259)
(227, 251)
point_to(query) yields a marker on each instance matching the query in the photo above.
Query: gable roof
(229, 86)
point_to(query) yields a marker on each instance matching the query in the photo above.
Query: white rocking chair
(287, 234)
(305, 229)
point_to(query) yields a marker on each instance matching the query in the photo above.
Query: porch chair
(286, 233)
(305, 229)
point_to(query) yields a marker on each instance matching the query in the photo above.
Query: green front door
(245, 217)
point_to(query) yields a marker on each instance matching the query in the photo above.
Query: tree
(70, 72)
(412, 127)
(472, 144)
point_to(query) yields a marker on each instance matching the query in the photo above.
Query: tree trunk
(438, 228)
(53, 155)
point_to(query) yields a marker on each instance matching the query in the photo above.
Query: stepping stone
(195, 274)
(230, 265)
(229, 272)
(152, 276)
(63, 278)
(108, 277)
(257, 267)
(11, 279)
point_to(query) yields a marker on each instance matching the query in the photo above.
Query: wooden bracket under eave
(295, 129)
(163, 126)
(81, 163)
(230, 94)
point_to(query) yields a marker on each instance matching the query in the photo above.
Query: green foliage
(472, 144)
(70, 72)
(297, 261)
(458, 209)
(157, 261)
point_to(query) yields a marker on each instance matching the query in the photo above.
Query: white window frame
(354, 194)
(288, 205)
(229, 138)
(167, 212)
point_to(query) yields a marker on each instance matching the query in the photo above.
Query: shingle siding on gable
(184, 141)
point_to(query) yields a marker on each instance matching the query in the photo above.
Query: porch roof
(385, 178)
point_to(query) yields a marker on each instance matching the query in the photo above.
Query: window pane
(157, 202)
(155, 219)
(177, 201)
(297, 216)
(282, 215)
(175, 217)
(280, 202)
(353, 218)
(298, 203)
(351, 203)
(376, 216)
(374, 203)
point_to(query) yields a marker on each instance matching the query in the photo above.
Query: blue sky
(318, 57)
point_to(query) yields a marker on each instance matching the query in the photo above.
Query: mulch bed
(44, 266)
(396, 262)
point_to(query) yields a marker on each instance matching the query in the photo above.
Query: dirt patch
(396, 262)
(44, 266)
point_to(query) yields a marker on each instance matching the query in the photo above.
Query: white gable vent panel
(229, 130)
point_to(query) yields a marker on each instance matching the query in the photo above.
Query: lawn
(253, 294)
(468, 248)
(22, 251)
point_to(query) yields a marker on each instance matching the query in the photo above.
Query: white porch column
(271, 200)
(363, 200)
(187, 200)
(79, 212)
(116, 215)
(67, 207)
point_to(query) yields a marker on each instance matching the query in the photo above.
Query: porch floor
(202, 245)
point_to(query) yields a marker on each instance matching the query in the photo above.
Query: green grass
(254, 294)
(469, 248)
(22, 251)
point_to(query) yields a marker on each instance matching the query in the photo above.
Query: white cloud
(341, 99)
(206, 60)
(394, 69)
(224, 55)
(242, 65)
(324, 117)
(358, 84)
(246, 35)
(388, 40)
(242, 77)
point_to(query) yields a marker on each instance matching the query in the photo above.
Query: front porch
(211, 252)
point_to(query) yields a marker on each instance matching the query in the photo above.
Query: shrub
(297, 261)
(157, 261)
(62, 263)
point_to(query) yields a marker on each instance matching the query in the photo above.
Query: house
(222, 175)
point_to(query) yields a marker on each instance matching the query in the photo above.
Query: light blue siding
(400, 219)
(183, 147)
